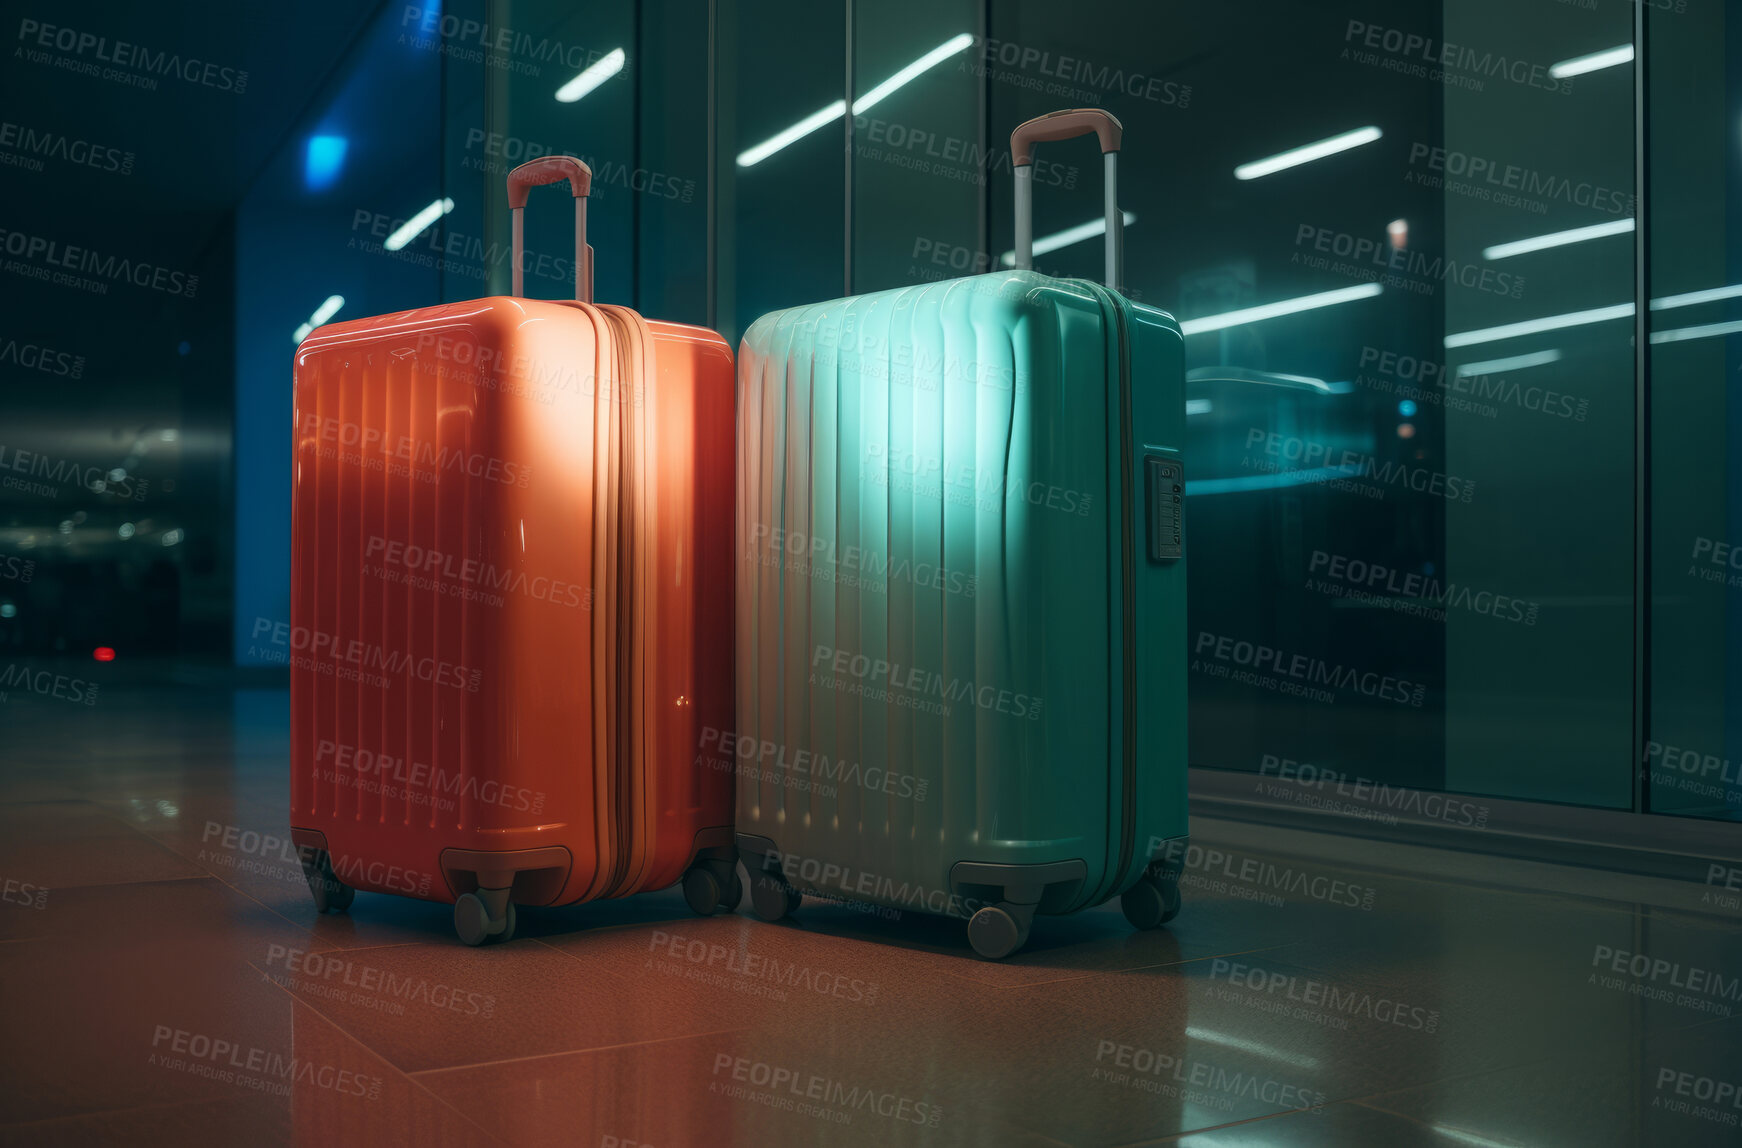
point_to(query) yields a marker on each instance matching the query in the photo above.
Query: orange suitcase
(511, 605)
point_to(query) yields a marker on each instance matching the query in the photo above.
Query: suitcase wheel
(772, 899)
(331, 894)
(1151, 903)
(473, 920)
(996, 931)
(712, 887)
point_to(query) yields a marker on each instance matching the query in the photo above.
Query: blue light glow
(1406, 408)
(429, 21)
(323, 161)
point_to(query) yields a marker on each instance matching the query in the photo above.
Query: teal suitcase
(961, 649)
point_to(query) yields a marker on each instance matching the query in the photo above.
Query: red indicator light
(103, 654)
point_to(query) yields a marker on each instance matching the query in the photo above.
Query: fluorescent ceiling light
(1068, 236)
(1600, 314)
(1276, 310)
(1515, 363)
(1308, 153)
(1711, 295)
(1579, 65)
(1198, 406)
(920, 66)
(1245, 483)
(597, 73)
(797, 131)
(1251, 1046)
(1557, 239)
(1682, 334)
(828, 115)
(322, 313)
(418, 224)
(1228, 374)
(1534, 326)
(1462, 1137)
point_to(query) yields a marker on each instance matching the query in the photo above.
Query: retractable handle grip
(548, 169)
(1063, 125)
(552, 169)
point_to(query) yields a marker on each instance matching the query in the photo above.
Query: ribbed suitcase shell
(975, 435)
(532, 447)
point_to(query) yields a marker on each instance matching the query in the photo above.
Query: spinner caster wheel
(996, 932)
(331, 895)
(474, 925)
(701, 891)
(471, 919)
(771, 899)
(1150, 904)
(339, 896)
(733, 894)
(712, 887)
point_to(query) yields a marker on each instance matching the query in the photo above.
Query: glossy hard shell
(511, 594)
(931, 587)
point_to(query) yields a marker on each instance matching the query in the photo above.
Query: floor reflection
(166, 980)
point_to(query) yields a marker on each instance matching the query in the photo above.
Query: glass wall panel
(1695, 285)
(1397, 570)
(780, 203)
(320, 234)
(674, 122)
(920, 155)
(1400, 240)
(1540, 416)
(539, 79)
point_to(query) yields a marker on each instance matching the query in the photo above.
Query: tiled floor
(165, 979)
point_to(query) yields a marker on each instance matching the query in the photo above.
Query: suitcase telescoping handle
(550, 169)
(1065, 125)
